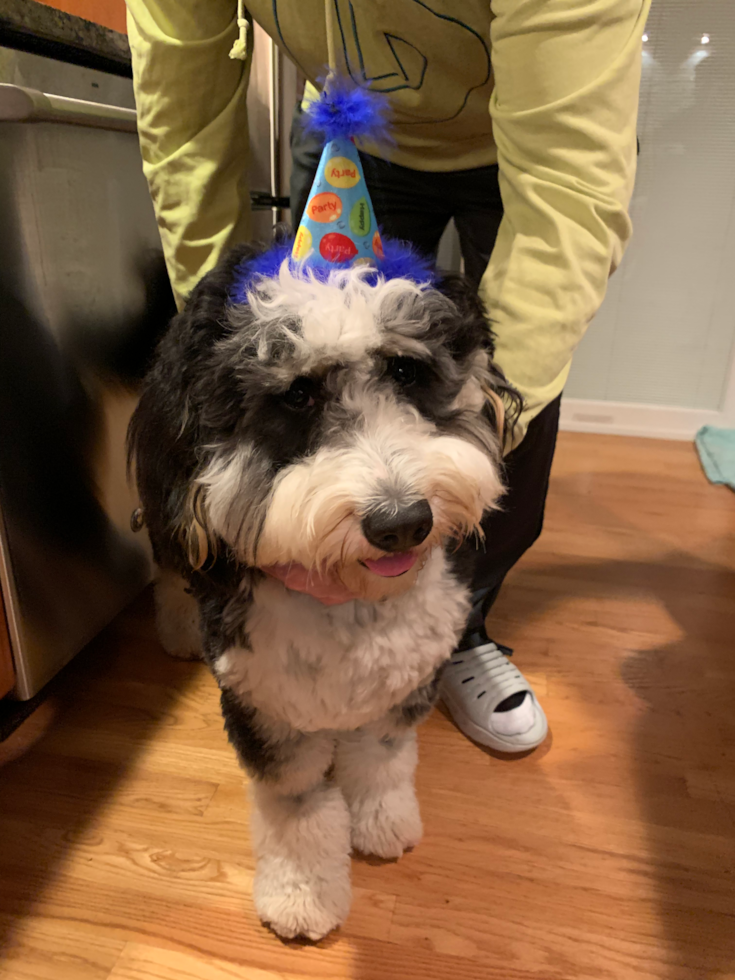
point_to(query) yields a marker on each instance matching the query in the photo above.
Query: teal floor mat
(716, 448)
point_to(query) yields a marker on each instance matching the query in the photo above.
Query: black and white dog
(350, 427)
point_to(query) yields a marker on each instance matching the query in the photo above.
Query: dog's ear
(192, 530)
(472, 330)
(503, 403)
(176, 417)
(498, 407)
(171, 501)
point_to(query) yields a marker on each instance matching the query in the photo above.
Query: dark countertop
(30, 26)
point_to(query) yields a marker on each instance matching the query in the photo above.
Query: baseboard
(623, 419)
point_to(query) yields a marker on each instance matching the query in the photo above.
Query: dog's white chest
(315, 667)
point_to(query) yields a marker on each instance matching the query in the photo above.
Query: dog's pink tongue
(391, 565)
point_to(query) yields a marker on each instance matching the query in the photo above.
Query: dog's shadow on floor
(57, 773)
(688, 686)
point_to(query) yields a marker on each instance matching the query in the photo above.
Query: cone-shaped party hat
(338, 229)
(338, 226)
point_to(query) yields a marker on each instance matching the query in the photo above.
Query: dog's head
(350, 424)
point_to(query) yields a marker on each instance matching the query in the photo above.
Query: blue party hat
(338, 227)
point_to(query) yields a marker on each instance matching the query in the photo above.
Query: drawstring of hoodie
(239, 49)
(331, 61)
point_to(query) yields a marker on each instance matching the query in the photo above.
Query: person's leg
(410, 206)
(488, 697)
(510, 532)
(478, 211)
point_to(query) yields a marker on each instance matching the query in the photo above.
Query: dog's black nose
(400, 531)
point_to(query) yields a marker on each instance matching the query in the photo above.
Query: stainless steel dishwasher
(75, 217)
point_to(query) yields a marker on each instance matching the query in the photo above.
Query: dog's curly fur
(267, 431)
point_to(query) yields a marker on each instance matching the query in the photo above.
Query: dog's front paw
(387, 825)
(294, 903)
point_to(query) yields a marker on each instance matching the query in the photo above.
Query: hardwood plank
(61, 777)
(140, 962)
(38, 948)
(562, 937)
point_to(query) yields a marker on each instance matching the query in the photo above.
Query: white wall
(658, 358)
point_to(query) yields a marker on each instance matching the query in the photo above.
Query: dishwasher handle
(20, 104)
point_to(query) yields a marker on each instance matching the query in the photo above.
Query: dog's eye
(404, 370)
(302, 394)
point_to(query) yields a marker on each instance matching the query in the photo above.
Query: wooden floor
(608, 853)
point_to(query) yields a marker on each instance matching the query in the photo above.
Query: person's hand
(327, 589)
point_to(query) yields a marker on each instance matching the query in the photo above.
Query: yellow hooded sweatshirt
(548, 89)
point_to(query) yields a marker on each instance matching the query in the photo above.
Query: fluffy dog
(346, 430)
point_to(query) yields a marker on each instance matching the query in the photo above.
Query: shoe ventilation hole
(480, 694)
(467, 680)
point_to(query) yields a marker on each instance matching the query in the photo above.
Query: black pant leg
(410, 206)
(478, 211)
(511, 531)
